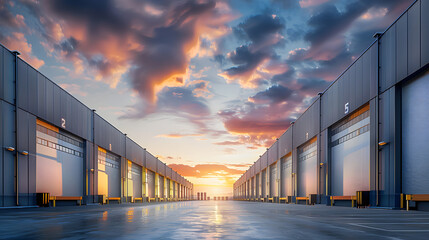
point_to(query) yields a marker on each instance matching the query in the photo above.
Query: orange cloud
(311, 3)
(205, 170)
(17, 41)
(179, 135)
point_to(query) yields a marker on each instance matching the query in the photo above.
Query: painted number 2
(63, 123)
(346, 108)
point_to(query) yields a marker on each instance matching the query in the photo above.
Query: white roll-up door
(350, 156)
(168, 188)
(59, 162)
(307, 169)
(287, 176)
(109, 174)
(415, 136)
(257, 186)
(151, 183)
(161, 186)
(134, 180)
(263, 184)
(274, 189)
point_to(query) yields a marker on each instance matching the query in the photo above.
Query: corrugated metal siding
(168, 172)
(424, 33)
(51, 103)
(7, 66)
(307, 125)
(414, 38)
(107, 136)
(134, 152)
(151, 161)
(257, 165)
(285, 142)
(356, 86)
(273, 153)
(388, 59)
(160, 167)
(264, 160)
(401, 47)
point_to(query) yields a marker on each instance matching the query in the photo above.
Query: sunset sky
(206, 86)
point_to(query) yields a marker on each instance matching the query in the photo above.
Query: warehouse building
(54, 144)
(368, 132)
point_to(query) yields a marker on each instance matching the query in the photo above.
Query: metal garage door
(151, 183)
(263, 184)
(134, 180)
(349, 144)
(287, 176)
(307, 169)
(274, 189)
(252, 193)
(174, 189)
(168, 188)
(59, 162)
(109, 174)
(415, 136)
(257, 186)
(161, 186)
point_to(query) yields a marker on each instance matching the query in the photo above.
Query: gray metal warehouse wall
(38, 98)
(377, 78)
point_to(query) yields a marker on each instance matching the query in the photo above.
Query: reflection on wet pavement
(208, 220)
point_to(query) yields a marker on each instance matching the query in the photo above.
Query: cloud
(179, 135)
(204, 170)
(17, 41)
(262, 34)
(311, 3)
(228, 143)
(274, 94)
(7, 19)
(153, 42)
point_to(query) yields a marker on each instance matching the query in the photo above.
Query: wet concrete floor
(212, 220)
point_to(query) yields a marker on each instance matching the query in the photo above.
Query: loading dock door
(264, 183)
(350, 143)
(307, 169)
(415, 136)
(168, 188)
(252, 194)
(134, 180)
(257, 186)
(109, 174)
(59, 162)
(287, 176)
(161, 186)
(274, 189)
(151, 183)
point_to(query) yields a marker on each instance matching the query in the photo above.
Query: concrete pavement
(212, 220)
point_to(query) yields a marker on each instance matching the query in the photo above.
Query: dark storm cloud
(246, 60)
(262, 34)
(329, 21)
(286, 4)
(258, 29)
(274, 94)
(182, 100)
(151, 41)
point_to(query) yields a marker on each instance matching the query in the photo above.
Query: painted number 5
(63, 123)
(346, 108)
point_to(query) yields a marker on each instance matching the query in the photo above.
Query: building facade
(52, 143)
(368, 131)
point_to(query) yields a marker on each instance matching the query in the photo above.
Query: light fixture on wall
(10, 149)
(25, 153)
(382, 143)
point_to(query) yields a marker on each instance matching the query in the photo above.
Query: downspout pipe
(16, 53)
